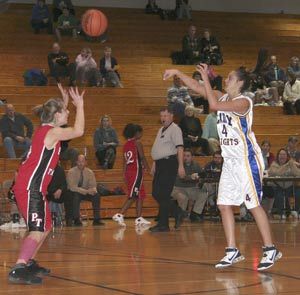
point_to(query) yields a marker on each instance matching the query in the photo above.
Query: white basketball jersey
(237, 139)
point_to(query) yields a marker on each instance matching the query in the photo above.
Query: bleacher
(142, 44)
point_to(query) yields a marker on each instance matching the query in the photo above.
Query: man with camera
(187, 192)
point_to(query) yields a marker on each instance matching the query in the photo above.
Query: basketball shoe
(232, 255)
(119, 218)
(270, 256)
(140, 221)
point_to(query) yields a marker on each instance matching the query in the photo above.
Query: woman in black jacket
(192, 132)
(109, 69)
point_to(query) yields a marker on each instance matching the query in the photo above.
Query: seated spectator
(291, 96)
(41, 18)
(197, 99)
(59, 5)
(275, 76)
(294, 67)
(67, 24)
(183, 9)
(12, 127)
(59, 65)
(56, 194)
(105, 143)
(210, 49)
(191, 47)
(109, 69)
(292, 146)
(210, 132)
(192, 133)
(151, 7)
(283, 166)
(213, 171)
(178, 97)
(86, 69)
(186, 190)
(82, 186)
(268, 192)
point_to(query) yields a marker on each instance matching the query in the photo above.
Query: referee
(167, 153)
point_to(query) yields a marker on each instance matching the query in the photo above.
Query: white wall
(261, 6)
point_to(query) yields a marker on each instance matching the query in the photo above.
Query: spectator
(183, 9)
(178, 97)
(211, 50)
(213, 171)
(67, 24)
(41, 18)
(292, 146)
(267, 155)
(82, 186)
(283, 166)
(275, 76)
(59, 5)
(192, 133)
(59, 65)
(86, 69)
(56, 194)
(191, 46)
(197, 99)
(186, 190)
(152, 8)
(210, 132)
(12, 126)
(105, 143)
(109, 69)
(294, 67)
(291, 96)
(268, 192)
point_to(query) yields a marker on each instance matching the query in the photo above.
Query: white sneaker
(22, 223)
(140, 221)
(283, 216)
(232, 255)
(119, 218)
(270, 256)
(6, 225)
(294, 214)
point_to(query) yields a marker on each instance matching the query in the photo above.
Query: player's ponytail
(47, 110)
(244, 75)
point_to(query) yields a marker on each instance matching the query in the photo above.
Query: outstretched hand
(64, 94)
(77, 97)
(203, 70)
(169, 74)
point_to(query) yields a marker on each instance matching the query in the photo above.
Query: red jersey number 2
(129, 157)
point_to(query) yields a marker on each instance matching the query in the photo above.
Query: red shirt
(36, 172)
(131, 155)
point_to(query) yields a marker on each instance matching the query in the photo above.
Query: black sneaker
(36, 269)
(157, 229)
(77, 222)
(21, 275)
(98, 222)
(179, 218)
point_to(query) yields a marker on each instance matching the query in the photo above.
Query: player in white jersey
(241, 178)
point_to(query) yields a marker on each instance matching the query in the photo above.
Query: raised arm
(239, 106)
(59, 134)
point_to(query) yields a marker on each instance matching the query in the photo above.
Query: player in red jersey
(35, 174)
(134, 165)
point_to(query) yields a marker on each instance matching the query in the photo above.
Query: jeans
(10, 144)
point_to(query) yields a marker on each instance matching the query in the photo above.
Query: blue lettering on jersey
(225, 119)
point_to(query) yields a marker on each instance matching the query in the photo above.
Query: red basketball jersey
(36, 172)
(132, 160)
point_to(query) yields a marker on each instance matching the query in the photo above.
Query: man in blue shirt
(41, 18)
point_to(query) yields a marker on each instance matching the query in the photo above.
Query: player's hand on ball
(170, 73)
(76, 96)
(181, 172)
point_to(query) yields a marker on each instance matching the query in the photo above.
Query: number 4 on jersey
(224, 130)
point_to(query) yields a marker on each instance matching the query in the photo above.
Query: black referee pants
(164, 179)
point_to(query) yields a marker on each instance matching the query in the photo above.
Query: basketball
(94, 23)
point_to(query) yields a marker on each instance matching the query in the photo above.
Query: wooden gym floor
(111, 260)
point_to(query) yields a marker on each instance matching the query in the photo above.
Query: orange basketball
(94, 22)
